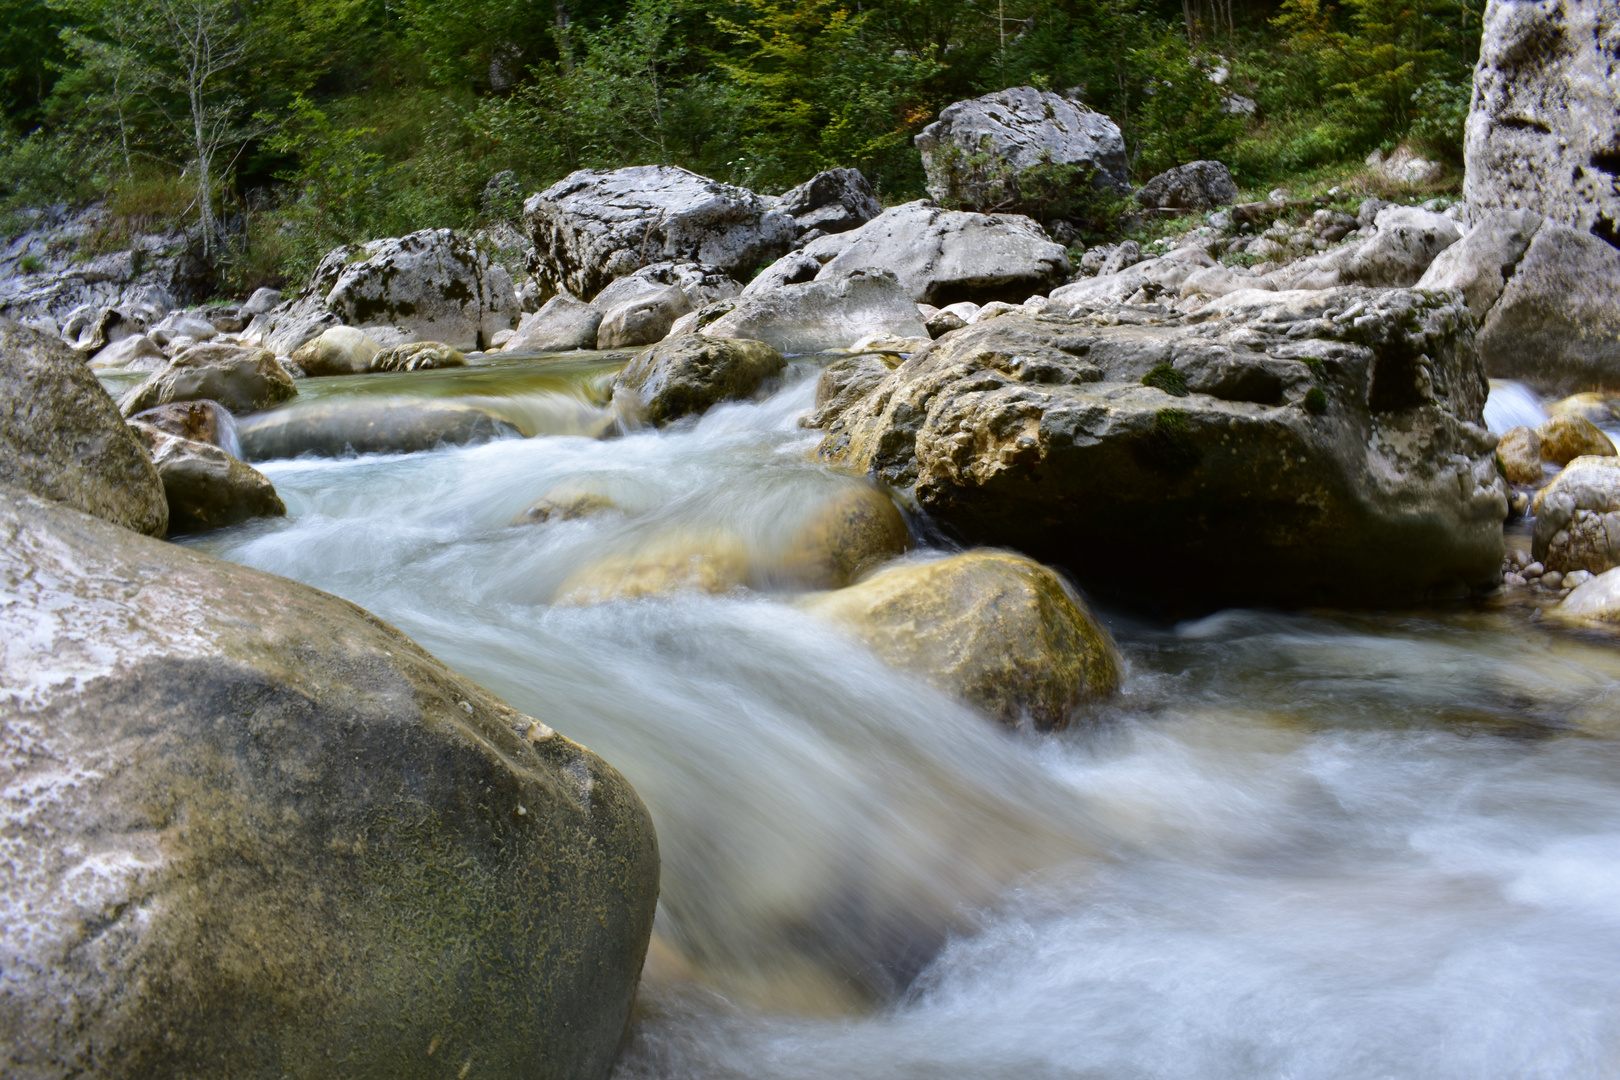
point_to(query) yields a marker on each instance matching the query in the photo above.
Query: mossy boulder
(241, 378)
(266, 835)
(686, 376)
(842, 536)
(62, 437)
(206, 488)
(1000, 631)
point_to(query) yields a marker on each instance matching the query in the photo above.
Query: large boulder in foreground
(241, 378)
(982, 152)
(62, 437)
(1307, 447)
(592, 227)
(1000, 631)
(945, 256)
(686, 376)
(433, 285)
(1546, 297)
(834, 312)
(1543, 128)
(266, 835)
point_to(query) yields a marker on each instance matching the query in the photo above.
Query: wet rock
(943, 256)
(834, 201)
(691, 561)
(1405, 242)
(842, 537)
(433, 285)
(845, 382)
(686, 376)
(832, 312)
(1520, 455)
(1000, 631)
(643, 320)
(592, 227)
(1594, 602)
(341, 350)
(240, 378)
(1543, 129)
(137, 353)
(1578, 517)
(62, 437)
(418, 356)
(261, 301)
(367, 425)
(981, 152)
(200, 421)
(206, 488)
(1198, 185)
(561, 324)
(1566, 437)
(1302, 447)
(1598, 407)
(565, 502)
(266, 829)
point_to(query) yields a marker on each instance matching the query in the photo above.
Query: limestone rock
(206, 488)
(341, 350)
(366, 425)
(1405, 242)
(794, 268)
(832, 312)
(1198, 185)
(62, 437)
(1142, 282)
(200, 421)
(1480, 263)
(136, 353)
(418, 356)
(240, 378)
(592, 227)
(700, 284)
(268, 835)
(1404, 166)
(1543, 130)
(178, 324)
(688, 375)
(1598, 407)
(943, 256)
(1000, 631)
(261, 301)
(845, 382)
(1566, 437)
(289, 325)
(1578, 517)
(1304, 447)
(689, 561)
(1013, 131)
(842, 537)
(1594, 603)
(834, 201)
(433, 285)
(561, 324)
(643, 320)
(1520, 455)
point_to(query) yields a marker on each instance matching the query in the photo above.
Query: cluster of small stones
(1520, 571)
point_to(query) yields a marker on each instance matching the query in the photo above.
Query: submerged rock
(206, 488)
(704, 561)
(832, 312)
(1311, 447)
(1000, 631)
(62, 437)
(1565, 437)
(367, 425)
(842, 537)
(1578, 517)
(690, 374)
(241, 378)
(267, 835)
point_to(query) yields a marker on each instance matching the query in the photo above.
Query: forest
(280, 128)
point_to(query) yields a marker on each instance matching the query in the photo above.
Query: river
(1296, 845)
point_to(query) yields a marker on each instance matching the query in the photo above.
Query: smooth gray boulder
(1405, 242)
(686, 376)
(592, 227)
(1544, 128)
(975, 144)
(561, 324)
(1275, 448)
(433, 285)
(265, 834)
(289, 325)
(794, 268)
(832, 312)
(241, 378)
(834, 201)
(1197, 185)
(340, 350)
(62, 437)
(261, 301)
(200, 421)
(642, 320)
(1547, 299)
(700, 284)
(944, 256)
(135, 353)
(366, 425)
(206, 488)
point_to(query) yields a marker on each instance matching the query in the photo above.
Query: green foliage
(30, 264)
(1166, 378)
(1316, 400)
(1179, 118)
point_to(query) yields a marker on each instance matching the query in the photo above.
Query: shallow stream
(1296, 846)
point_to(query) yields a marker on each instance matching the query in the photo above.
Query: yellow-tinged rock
(842, 538)
(1566, 437)
(1000, 631)
(1520, 455)
(1596, 407)
(709, 562)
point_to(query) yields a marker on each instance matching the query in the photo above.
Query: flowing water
(1295, 846)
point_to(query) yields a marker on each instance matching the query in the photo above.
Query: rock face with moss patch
(62, 437)
(1315, 447)
(688, 375)
(433, 285)
(1000, 631)
(253, 831)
